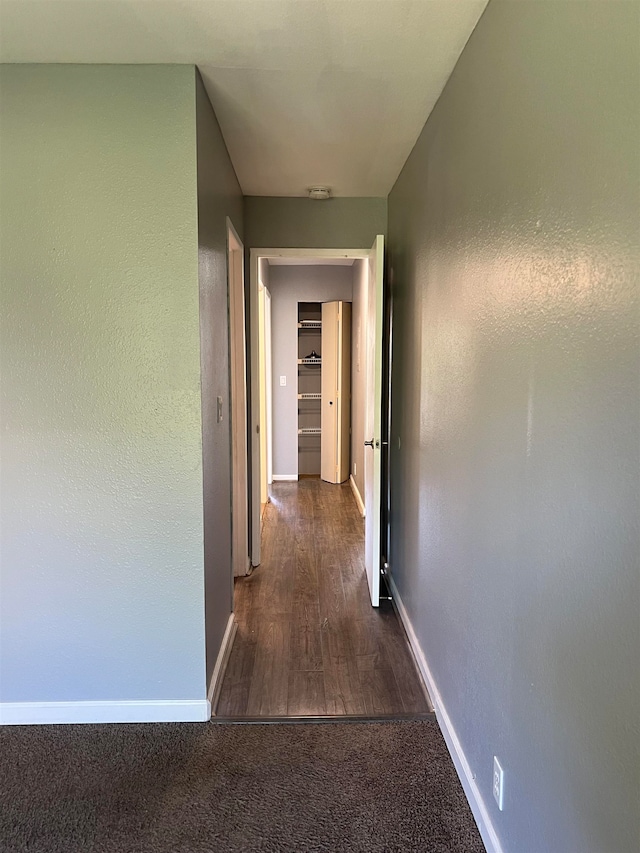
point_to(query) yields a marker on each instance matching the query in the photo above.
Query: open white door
(373, 419)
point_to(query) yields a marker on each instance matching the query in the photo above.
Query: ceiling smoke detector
(319, 192)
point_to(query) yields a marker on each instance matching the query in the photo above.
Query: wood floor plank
(268, 693)
(330, 590)
(369, 645)
(305, 647)
(380, 691)
(343, 690)
(306, 694)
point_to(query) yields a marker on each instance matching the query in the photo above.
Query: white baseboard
(357, 496)
(143, 711)
(285, 478)
(472, 792)
(221, 663)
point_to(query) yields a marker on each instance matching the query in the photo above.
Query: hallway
(308, 641)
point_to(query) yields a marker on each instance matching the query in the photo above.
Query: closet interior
(309, 388)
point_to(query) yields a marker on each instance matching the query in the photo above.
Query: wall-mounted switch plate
(219, 410)
(498, 783)
(283, 381)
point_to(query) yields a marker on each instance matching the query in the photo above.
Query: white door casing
(267, 331)
(256, 254)
(262, 336)
(238, 404)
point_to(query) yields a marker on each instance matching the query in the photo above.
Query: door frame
(269, 384)
(264, 394)
(237, 403)
(255, 254)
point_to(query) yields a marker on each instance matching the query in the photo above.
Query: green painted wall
(514, 244)
(101, 513)
(301, 223)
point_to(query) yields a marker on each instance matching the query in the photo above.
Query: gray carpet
(197, 788)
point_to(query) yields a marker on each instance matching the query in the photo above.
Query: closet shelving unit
(309, 387)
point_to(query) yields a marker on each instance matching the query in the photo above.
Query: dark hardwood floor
(308, 641)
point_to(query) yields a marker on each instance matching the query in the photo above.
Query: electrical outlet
(498, 783)
(283, 381)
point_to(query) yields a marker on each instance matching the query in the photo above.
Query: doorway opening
(314, 639)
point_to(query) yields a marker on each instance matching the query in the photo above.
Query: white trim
(254, 386)
(143, 711)
(217, 676)
(357, 496)
(472, 792)
(254, 409)
(319, 254)
(269, 389)
(285, 478)
(237, 401)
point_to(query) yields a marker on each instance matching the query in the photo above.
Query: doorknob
(368, 443)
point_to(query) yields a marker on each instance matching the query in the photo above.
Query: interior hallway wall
(219, 196)
(301, 223)
(515, 542)
(101, 494)
(290, 285)
(358, 369)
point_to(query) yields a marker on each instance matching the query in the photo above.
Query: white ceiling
(306, 91)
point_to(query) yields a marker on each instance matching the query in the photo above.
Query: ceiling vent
(319, 192)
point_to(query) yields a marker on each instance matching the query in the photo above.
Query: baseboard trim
(285, 478)
(472, 792)
(143, 711)
(357, 496)
(220, 668)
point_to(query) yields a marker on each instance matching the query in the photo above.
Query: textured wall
(301, 223)
(219, 196)
(359, 369)
(101, 524)
(514, 247)
(288, 286)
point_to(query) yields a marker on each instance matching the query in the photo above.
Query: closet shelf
(309, 431)
(309, 396)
